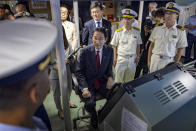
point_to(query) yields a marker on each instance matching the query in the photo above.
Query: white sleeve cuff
(84, 89)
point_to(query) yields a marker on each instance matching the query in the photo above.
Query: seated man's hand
(192, 26)
(148, 65)
(67, 61)
(114, 62)
(136, 60)
(110, 83)
(55, 67)
(86, 93)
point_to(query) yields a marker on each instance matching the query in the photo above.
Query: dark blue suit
(87, 73)
(89, 27)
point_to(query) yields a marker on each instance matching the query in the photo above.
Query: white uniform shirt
(167, 41)
(70, 31)
(126, 42)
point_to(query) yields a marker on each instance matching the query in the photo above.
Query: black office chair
(77, 91)
(98, 97)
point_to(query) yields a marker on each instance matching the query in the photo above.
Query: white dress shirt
(98, 21)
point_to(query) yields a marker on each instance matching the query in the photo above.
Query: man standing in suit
(94, 72)
(96, 22)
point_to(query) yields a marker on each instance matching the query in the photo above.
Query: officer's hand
(86, 94)
(192, 26)
(145, 28)
(150, 31)
(114, 62)
(83, 46)
(136, 60)
(55, 67)
(110, 83)
(141, 51)
(149, 65)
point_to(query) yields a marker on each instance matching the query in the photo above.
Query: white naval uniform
(166, 42)
(70, 31)
(126, 43)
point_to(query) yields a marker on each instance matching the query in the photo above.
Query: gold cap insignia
(127, 12)
(171, 5)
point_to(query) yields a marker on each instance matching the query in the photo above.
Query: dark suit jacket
(87, 71)
(89, 27)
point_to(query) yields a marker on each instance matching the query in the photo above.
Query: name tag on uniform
(174, 36)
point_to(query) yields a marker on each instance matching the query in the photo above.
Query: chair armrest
(75, 84)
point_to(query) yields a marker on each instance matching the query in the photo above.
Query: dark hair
(97, 4)
(23, 5)
(127, 7)
(160, 12)
(67, 7)
(102, 30)
(64, 5)
(1, 6)
(66, 45)
(6, 6)
(6, 15)
(153, 13)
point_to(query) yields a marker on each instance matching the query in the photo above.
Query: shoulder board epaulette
(158, 25)
(180, 27)
(136, 28)
(119, 29)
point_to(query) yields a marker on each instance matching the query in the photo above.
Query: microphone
(73, 53)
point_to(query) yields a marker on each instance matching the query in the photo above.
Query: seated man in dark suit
(94, 71)
(96, 22)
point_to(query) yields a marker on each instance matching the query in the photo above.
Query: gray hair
(152, 4)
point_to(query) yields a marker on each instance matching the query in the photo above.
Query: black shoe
(90, 128)
(94, 121)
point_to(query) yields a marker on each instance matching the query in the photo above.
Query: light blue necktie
(98, 24)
